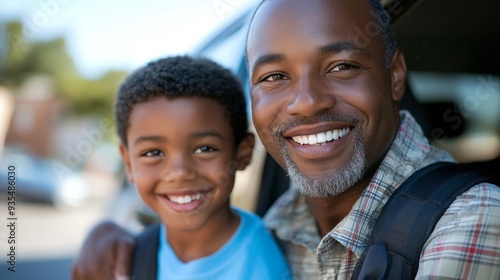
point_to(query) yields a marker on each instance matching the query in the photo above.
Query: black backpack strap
(145, 256)
(409, 217)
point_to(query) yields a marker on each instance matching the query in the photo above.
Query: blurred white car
(38, 180)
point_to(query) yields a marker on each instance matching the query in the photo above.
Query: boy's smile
(182, 157)
(185, 201)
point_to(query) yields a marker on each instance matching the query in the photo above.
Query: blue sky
(121, 33)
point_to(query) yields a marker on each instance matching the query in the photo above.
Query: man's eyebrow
(340, 47)
(327, 49)
(149, 138)
(268, 58)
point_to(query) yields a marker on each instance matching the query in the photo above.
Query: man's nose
(310, 96)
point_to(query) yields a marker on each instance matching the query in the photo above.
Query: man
(326, 107)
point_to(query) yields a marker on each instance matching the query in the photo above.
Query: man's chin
(316, 187)
(331, 181)
(328, 183)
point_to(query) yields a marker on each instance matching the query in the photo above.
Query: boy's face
(182, 158)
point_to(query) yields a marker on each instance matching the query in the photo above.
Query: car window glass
(464, 111)
(229, 51)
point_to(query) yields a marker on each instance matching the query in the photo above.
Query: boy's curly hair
(181, 77)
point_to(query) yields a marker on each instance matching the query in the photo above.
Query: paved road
(47, 239)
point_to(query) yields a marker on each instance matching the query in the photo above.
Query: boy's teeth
(321, 137)
(184, 199)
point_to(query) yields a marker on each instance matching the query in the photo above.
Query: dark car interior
(449, 36)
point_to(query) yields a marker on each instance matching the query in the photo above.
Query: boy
(183, 128)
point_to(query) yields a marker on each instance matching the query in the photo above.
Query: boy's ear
(126, 160)
(398, 75)
(245, 150)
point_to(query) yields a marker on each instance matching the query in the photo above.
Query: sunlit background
(61, 62)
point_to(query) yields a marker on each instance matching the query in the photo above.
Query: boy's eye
(204, 149)
(153, 153)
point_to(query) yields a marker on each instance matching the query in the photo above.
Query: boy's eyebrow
(207, 133)
(149, 138)
(155, 138)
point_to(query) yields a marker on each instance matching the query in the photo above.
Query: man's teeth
(184, 199)
(321, 137)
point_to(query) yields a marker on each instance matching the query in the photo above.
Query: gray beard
(330, 184)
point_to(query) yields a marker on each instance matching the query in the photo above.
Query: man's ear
(126, 160)
(245, 150)
(398, 75)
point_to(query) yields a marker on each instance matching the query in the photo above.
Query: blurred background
(61, 62)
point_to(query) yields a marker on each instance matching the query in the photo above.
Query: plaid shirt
(465, 243)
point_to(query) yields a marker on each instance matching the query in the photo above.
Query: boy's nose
(179, 169)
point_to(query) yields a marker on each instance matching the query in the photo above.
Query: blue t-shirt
(251, 253)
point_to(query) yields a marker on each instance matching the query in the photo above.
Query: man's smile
(322, 137)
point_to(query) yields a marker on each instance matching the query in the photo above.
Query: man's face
(324, 104)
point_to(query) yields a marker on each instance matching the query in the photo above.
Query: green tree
(27, 57)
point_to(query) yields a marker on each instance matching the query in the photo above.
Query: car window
(464, 111)
(454, 74)
(229, 51)
(227, 47)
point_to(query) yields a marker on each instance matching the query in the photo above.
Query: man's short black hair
(182, 77)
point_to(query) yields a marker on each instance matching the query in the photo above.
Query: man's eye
(153, 153)
(344, 67)
(204, 149)
(273, 77)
